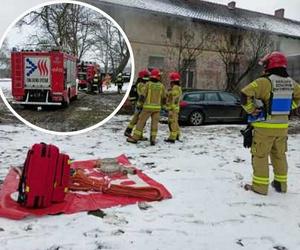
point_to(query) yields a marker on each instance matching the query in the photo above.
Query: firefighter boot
(169, 140)
(277, 186)
(128, 132)
(131, 140)
(249, 187)
(152, 143)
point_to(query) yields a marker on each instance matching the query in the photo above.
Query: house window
(234, 71)
(278, 45)
(156, 62)
(169, 32)
(189, 72)
(236, 40)
(188, 79)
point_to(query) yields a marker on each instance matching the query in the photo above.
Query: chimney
(279, 13)
(231, 5)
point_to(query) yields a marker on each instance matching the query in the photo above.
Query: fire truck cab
(86, 72)
(43, 77)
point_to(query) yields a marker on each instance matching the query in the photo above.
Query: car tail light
(183, 104)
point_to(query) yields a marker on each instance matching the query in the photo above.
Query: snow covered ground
(205, 173)
(114, 88)
(5, 85)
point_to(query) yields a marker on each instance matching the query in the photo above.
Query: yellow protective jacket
(173, 98)
(153, 96)
(261, 89)
(140, 91)
(96, 78)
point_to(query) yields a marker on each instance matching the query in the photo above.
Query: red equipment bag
(45, 177)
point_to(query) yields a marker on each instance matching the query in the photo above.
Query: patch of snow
(205, 174)
(84, 108)
(5, 85)
(114, 88)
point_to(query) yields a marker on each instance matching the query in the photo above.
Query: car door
(231, 106)
(193, 101)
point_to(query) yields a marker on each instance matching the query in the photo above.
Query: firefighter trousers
(263, 146)
(173, 125)
(134, 119)
(143, 117)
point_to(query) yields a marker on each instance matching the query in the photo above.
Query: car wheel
(196, 118)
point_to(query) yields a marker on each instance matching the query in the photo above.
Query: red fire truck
(86, 72)
(43, 77)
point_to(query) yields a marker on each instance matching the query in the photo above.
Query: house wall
(147, 32)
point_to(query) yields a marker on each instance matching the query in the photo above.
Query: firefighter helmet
(144, 74)
(155, 74)
(274, 60)
(174, 76)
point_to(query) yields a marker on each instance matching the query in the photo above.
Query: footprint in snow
(280, 248)
(96, 233)
(28, 227)
(115, 220)
(144, 206)
(238, 160)
(101, 245)
(118, 232)
(238, 176)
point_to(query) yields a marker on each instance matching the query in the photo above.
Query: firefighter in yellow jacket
(172, 106)
(279, 94)
(135, 93)
(153, 98)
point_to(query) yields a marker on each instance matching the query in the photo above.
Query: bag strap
(21, 189)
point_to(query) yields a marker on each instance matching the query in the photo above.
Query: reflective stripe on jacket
(261, 89)
(173, 98)
(282, 95)
(154, 94)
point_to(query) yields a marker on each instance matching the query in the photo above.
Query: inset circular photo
(67, 67)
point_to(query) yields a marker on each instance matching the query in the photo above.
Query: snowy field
(205, 174)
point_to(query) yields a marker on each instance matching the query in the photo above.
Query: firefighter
(279, 94)
(107, 81)
(119, 82)
(96, 80)
(135, 92)
(172, 106)
(100, 84)
(152, 99)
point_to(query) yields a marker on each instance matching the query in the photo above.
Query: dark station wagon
(201, 106)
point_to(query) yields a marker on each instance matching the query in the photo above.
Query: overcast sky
(12, 9)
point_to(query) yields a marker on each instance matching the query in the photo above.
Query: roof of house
(213, 12)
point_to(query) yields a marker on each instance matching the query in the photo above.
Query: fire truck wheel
(66, 102)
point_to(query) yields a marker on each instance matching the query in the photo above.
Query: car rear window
(193, 97)
(226, 97)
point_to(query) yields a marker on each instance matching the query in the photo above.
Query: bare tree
(66, 25)
(185, 49)
(4, 60)
(110, 46)
(84, 32)
(240, 51)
